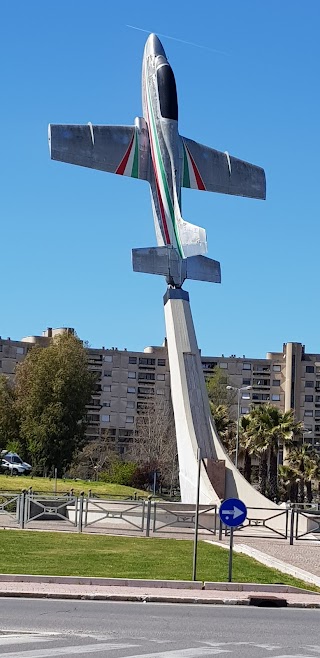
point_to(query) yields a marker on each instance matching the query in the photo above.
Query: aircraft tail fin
(193, 238)
(166, 262)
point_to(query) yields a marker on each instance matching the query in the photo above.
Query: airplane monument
(153, 150)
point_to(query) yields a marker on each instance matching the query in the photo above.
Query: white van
(12, 463)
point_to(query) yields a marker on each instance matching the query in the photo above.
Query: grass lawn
(17, 483)
(65, 554)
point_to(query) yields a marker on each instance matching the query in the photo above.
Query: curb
(104, 582)
(157, 584)
(146, 599)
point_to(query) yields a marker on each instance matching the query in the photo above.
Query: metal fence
(307, 525)
(261, 523)
(182, 516)
(151, 518)
(9, 509)
(112, 514)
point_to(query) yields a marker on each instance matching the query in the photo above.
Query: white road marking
(194, 652)
(64, 651)
(8, 639)
(267, 647)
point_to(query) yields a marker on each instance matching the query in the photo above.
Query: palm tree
(306, 465)
(270, 428)
(247, 446)
(288, 481)
(225, 426)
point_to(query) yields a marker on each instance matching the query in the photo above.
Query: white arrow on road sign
(235, 512)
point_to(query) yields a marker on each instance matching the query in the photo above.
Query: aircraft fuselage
(160, 111)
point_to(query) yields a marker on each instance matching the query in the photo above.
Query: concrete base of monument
(195, 428)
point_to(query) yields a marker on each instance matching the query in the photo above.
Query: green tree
(306, 465)
(53, 387)
(270, 428)
(217, 391)
(247, 446)
(9, 425)
(225, 427)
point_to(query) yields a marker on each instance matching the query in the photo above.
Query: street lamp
(239, 391)
(304, 432)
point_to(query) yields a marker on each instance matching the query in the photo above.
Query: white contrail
(188, 43)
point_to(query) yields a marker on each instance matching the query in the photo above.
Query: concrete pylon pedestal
(194, 425)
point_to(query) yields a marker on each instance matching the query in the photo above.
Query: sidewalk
(149, 591)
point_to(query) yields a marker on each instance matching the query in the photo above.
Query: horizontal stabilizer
(166, 261)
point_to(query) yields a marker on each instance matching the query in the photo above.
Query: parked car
(13, 464)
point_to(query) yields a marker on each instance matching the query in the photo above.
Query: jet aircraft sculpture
(153, 150)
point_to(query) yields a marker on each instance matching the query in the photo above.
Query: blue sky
(67, 232)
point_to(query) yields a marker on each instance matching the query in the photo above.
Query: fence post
(87, 508)
(22, 508)
(291, 527)
(80, 519)
(148, 517)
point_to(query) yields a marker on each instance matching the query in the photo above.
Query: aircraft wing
(205, 168)
(120, 150)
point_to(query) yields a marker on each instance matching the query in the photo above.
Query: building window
(261, 382)
(107, 389)
(150, 376)
(308, 412)
(107, 358)
(209, 365)
(276, 368)
(132, 375)
(317, 398)
(309, 368)
(107, 373)
(160, 377)
(20, 350)
(160, 391)
(132, 359)
(105, 418)
(275, 398)
(131, 389)
(145, 390)
(161, 362)
(309, 398)
(146, 362)
(309, 383)
(261, 396)
(245, 396)
(276, 382)
(223, 365)
(317, 413)
(246, 366)
(246, 382)
(245, 410)
(131, 404)
(107, 403)
(129, 419)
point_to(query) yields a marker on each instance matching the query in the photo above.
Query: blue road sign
(232, 512)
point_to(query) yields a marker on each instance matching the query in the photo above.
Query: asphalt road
(32, 628)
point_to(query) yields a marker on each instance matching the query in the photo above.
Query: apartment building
(126, 380)
(289, 379)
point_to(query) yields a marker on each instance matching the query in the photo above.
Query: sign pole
(230, 555)
(196, 520)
